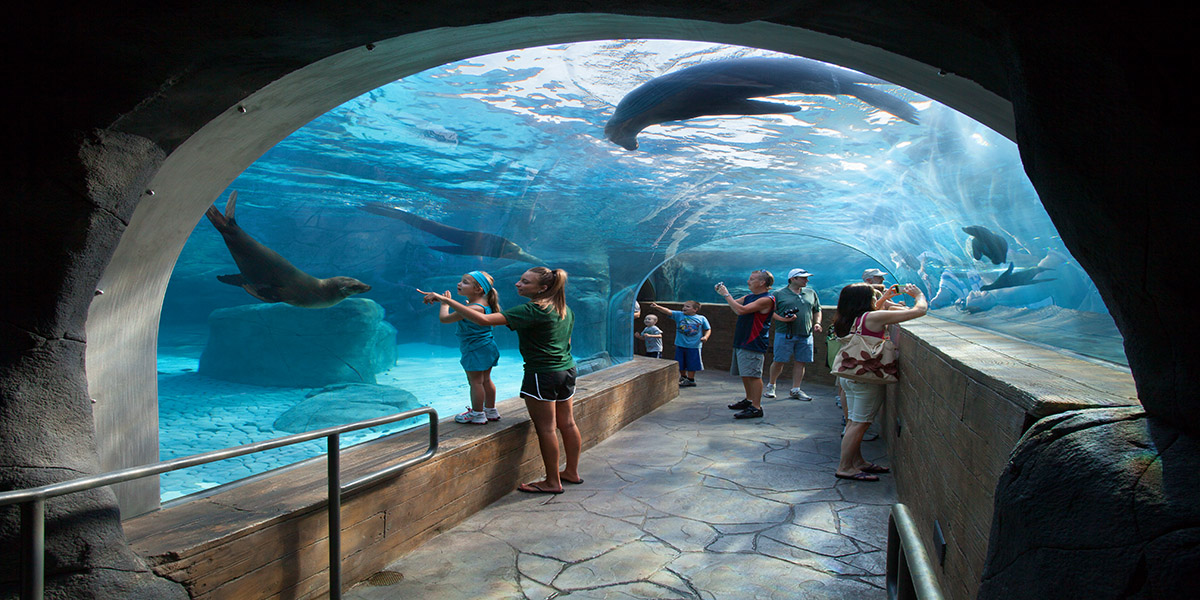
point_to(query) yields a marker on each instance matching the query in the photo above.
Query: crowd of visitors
(545, 323)
(794, 310)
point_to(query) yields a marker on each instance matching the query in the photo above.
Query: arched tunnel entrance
(153, 79)
(507, 145)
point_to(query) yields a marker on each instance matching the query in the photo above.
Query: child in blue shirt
(691, 331)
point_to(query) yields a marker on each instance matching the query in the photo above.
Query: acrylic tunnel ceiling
(502, 161)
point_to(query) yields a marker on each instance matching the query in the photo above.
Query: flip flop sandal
(860, 476)
(565, 480)
(530, 488)
(874, 468)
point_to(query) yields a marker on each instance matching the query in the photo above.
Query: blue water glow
(513, 144)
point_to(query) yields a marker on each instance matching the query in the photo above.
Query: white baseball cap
(873, 273)
(798, 273)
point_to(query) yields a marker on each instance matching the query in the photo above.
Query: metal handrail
(910, 573)
(33, 500)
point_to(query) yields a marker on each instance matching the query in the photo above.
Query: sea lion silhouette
(270, 277)
(725, 88)
(469, 243)
(1009, 279)
(986, 243)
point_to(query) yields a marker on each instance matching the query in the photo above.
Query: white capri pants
(863, 400)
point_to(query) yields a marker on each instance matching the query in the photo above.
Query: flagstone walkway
(685, 503)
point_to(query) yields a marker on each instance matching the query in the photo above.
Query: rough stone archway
(108, 95)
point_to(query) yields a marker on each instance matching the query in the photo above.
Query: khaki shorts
(747, 363)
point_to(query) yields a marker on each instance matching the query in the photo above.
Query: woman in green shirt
(543, 327)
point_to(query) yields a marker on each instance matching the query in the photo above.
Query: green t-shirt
(806, 302)
(544, 338)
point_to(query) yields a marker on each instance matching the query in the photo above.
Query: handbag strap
(860, 323)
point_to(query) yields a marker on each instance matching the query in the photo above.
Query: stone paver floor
(685, 503)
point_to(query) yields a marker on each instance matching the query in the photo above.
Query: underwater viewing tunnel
(1063, 243)
(503, 162)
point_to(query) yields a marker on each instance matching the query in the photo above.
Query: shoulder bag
(865, 358)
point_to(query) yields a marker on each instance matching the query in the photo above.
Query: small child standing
(478, 347)
(652, 336)
(692, 330)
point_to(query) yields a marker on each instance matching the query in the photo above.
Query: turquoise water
(199, 414)
(513, 145)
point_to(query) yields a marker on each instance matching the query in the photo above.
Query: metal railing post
(33, 541)
(334, 458)
(910, 574)
(33, 500)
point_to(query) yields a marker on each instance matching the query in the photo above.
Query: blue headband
(481, 279)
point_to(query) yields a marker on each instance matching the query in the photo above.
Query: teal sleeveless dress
(478, 347)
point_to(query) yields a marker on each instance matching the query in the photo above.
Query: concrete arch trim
(123, 323)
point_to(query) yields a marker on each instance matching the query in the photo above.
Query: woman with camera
(857, 309)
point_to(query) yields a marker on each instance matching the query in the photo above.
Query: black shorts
(549, 387)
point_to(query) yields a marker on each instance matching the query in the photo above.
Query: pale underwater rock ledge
(345, 403)
(286, 346)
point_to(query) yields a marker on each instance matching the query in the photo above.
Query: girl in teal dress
(478, 347)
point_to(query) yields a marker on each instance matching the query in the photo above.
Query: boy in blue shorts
(691, 331)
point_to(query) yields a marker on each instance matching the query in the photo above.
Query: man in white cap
(875, 277)
(797, 316)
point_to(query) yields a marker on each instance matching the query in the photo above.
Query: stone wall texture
(964, 400)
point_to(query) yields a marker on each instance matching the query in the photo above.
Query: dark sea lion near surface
(986, 243)
(270, 277)
(726, 88)
(468, 243)
(1010, 279)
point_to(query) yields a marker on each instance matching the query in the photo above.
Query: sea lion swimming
(725, 88)
(1010, 279)
(270, 277)
(986, 243)
(469, 243)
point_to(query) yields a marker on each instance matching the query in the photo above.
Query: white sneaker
(799, 394)
(491, 414)
(472, 417)
(769, 391)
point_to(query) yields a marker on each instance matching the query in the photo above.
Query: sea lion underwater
(469, 243)
(1010, 279)
(725, 88)
(270, 277)
(986, 243)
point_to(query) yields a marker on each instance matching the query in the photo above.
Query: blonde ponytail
(556, 288)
